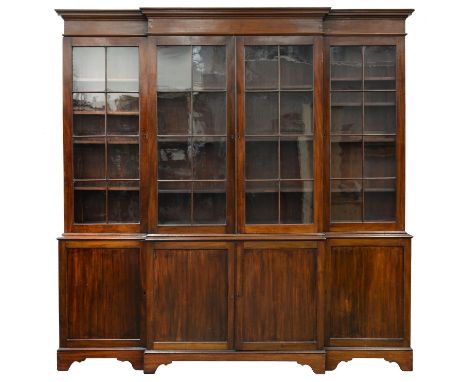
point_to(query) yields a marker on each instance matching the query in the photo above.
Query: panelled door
(278, 295)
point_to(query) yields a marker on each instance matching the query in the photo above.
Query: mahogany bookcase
(234, 186)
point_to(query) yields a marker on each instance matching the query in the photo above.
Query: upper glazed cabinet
(249, 134)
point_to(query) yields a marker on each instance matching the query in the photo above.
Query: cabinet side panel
(366, 293)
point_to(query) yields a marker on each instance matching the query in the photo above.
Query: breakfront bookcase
(234, 186)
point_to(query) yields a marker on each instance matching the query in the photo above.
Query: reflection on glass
(346, 115)
(379, 200)
(122, 69)
(174, 159)
(209, 203)
(84, 124)
(89, 102)
(123, 125)
(379, 113)
(261, 67)
(209, 67)
(346, 67)
(346, 157)
(296, 200)
(122, 102)
(173, 113)
(89, 69)
(296, 158)
(89, 206)
(123, 206)
(88, 161)
(296, 112)
(174, 202)
(209, 113)
(346, 200)
(174, 68)
(209, 158)
(123, 161)
(261, 113)
(261, 202)
(296, 66)
(379, 157)
(261, 158)
(379, 67)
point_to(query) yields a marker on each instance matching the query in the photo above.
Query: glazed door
(190, 295)
(279, 296)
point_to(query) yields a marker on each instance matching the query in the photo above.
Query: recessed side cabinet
(234, 186)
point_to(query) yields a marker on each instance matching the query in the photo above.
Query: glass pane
(124, 206)
(94, 102)
(297, 201)
(296, 158)
(379, 113)
(346, 67)
(209, 203)
(346, 112)
(173, 113)
(296, 112)
(209, 113)
(297, 71)
(174, 68)
(261, 67)
(122, 69)
(379, 157)
(88, 124)
(379, 67)
(379, 200)
(209, 67)
(89, 206)
(89, 69)
(261, 113)
(261, 158)
(123, 161)
(209, 158)
(88, 161)
(346, 200)
(346, 157)
(123, 125)
(123, 102)
(174, 159)
(174, 202)
(261, 202)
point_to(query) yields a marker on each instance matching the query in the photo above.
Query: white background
(31, 200)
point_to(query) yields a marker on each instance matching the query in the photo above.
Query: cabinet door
(103, 88)
(101, 299)
(279, 299)
(368, 292)
(191, 299)
(278, 99)
(194, 98)
(366, 134)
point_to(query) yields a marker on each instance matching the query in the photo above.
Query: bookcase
(234, 186)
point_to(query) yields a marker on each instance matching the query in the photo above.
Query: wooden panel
(191, 297)
(367, 293)
(277, 290)
(103, 293)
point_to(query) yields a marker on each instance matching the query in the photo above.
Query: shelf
(123, 113)
(83, 112)
(373, 104)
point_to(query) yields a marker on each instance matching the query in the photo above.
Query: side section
(368, 299)
(101, 304)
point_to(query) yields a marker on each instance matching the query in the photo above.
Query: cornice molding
(369, 13)
(100, 14)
